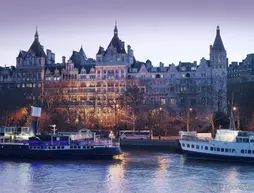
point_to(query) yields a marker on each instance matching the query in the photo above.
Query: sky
(165, 31)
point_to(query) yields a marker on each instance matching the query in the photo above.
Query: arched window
(157, 76)
(187, 75)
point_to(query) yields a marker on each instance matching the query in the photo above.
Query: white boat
(228, 145)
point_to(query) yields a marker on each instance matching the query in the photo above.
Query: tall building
(219, 67)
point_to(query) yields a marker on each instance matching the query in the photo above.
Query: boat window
(201, 147)
(206, 148)
(62, 147)
(84, 147)
(233, 150)
(226, 150)
(246, 140)
(242, 151)
(78, 147)
(91, 147)
(183, 144)
(245, 151)
(211, 148)
(49, 147)
(58, 147)
(188, 145)
(192, 146)
(75, 147)
(53, 147)
(222, 149)
(252, 141)
(197, 146)
(218, 149)
(252, 151)
(71, 147)
(249, 151)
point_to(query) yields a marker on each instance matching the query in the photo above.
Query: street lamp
(188, 119)
(235, 109)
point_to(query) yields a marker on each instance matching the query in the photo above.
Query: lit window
(172, 101)
(163, 101)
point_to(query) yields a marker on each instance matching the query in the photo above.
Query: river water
(134, 172)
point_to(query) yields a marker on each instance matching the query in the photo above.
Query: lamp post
(188, 119)
(235, 109)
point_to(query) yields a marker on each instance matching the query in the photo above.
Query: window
(172, 101)
(233, 150)
(197, 146)
(242, 151)
(183, 145)
(211, 148)
(249, 151)
(192, 146)
(226, 150)
(163, 101)
(222, 149)
(218, 149)
(206, 148)
(188, 145)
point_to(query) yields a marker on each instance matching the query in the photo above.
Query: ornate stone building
(98, 82)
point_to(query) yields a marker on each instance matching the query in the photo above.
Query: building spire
(36, 36)
(218, 44)
(116, 30)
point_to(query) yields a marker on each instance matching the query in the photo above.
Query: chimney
(35, 116)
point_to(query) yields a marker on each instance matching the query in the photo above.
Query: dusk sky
(160, 30)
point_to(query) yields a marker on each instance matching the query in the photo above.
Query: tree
(11, 100)
(133, 102)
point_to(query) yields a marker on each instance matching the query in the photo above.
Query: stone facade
(177, 88)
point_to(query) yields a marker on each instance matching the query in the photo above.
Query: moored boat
(25, 143)
(228, 145)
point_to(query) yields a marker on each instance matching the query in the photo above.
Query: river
(134, 172)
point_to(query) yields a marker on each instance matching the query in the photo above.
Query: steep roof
(218, 44)
(100, 51)
(82, 53)
(36, 48)
(117, 43)
(22, 54)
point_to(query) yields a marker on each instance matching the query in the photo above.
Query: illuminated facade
(96, 82)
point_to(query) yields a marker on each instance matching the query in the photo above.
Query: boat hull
(25, 152)
(215, 157)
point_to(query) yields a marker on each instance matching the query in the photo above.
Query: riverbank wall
(170, 145)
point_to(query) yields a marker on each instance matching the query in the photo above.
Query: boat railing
(196, 139)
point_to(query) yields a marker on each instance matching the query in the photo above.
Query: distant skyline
(165, 31)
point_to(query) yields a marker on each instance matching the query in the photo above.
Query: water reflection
(115, 178)
(161, 174)
(18, 172)
(139, 172)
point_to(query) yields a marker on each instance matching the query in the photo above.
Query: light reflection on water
(135, 172)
